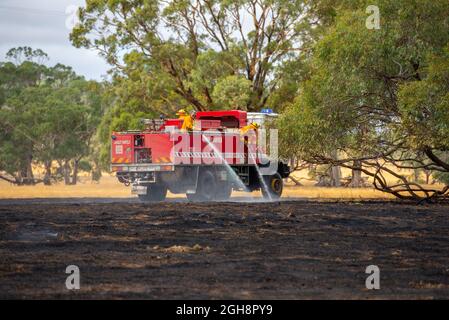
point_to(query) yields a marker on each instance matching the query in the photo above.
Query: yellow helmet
(255, 125)
(181, 112)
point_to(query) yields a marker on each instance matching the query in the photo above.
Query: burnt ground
(292, 249)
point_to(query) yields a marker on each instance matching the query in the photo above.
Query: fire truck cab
(206, 164)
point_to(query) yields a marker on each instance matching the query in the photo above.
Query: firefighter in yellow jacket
(188, 120)
(252, 126)
(181, 114)
(249, 131)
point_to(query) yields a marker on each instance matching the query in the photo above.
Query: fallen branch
(8, 179)
(296, 181)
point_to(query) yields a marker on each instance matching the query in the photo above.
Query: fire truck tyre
(207, 186)
(154, 193)
(223, 192)
(274, 185)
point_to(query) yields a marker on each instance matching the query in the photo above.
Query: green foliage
(442, 177)
(203, 42)
(85, 166)
(352, 94)
(424, 105)
(21, 54)
(232, 92)
(379, 95)
(47, 114)
(289, 77)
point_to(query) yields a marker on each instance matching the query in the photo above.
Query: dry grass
(334, 193)
(110, 187)
(182, 249)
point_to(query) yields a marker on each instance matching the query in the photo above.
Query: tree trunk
(296, 181)
(66, 170)
(15, 181)
(21, 176)
(30, 174)
(75, 172)
(293, 163)
(60, 169)
(26, 176)
(428, 174)
(323, 181)
(335, 172)
(416, 175)
(356, 179)
(96, 173)
(336, 176)
(47, 177)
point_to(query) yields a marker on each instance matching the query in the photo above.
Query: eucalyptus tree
(379, 97)
(193, 46)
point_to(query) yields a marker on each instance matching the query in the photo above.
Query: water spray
(234, 175)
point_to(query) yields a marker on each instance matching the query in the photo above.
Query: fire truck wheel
(275, 186)
(223, 192)
(207, 187)
(154, 193)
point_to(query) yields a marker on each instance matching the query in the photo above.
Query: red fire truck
(206, 163)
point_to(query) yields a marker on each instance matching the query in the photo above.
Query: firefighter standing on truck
(181, 114)
(252, 126)
(188, 120)
(250, 132)
(248, 135)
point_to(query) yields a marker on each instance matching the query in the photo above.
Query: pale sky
(42, 24)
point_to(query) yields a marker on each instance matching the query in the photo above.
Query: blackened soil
(285, 250)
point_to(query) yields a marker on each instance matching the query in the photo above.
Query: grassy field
(110, 187)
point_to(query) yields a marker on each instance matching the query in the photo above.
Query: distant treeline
(49, 117)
